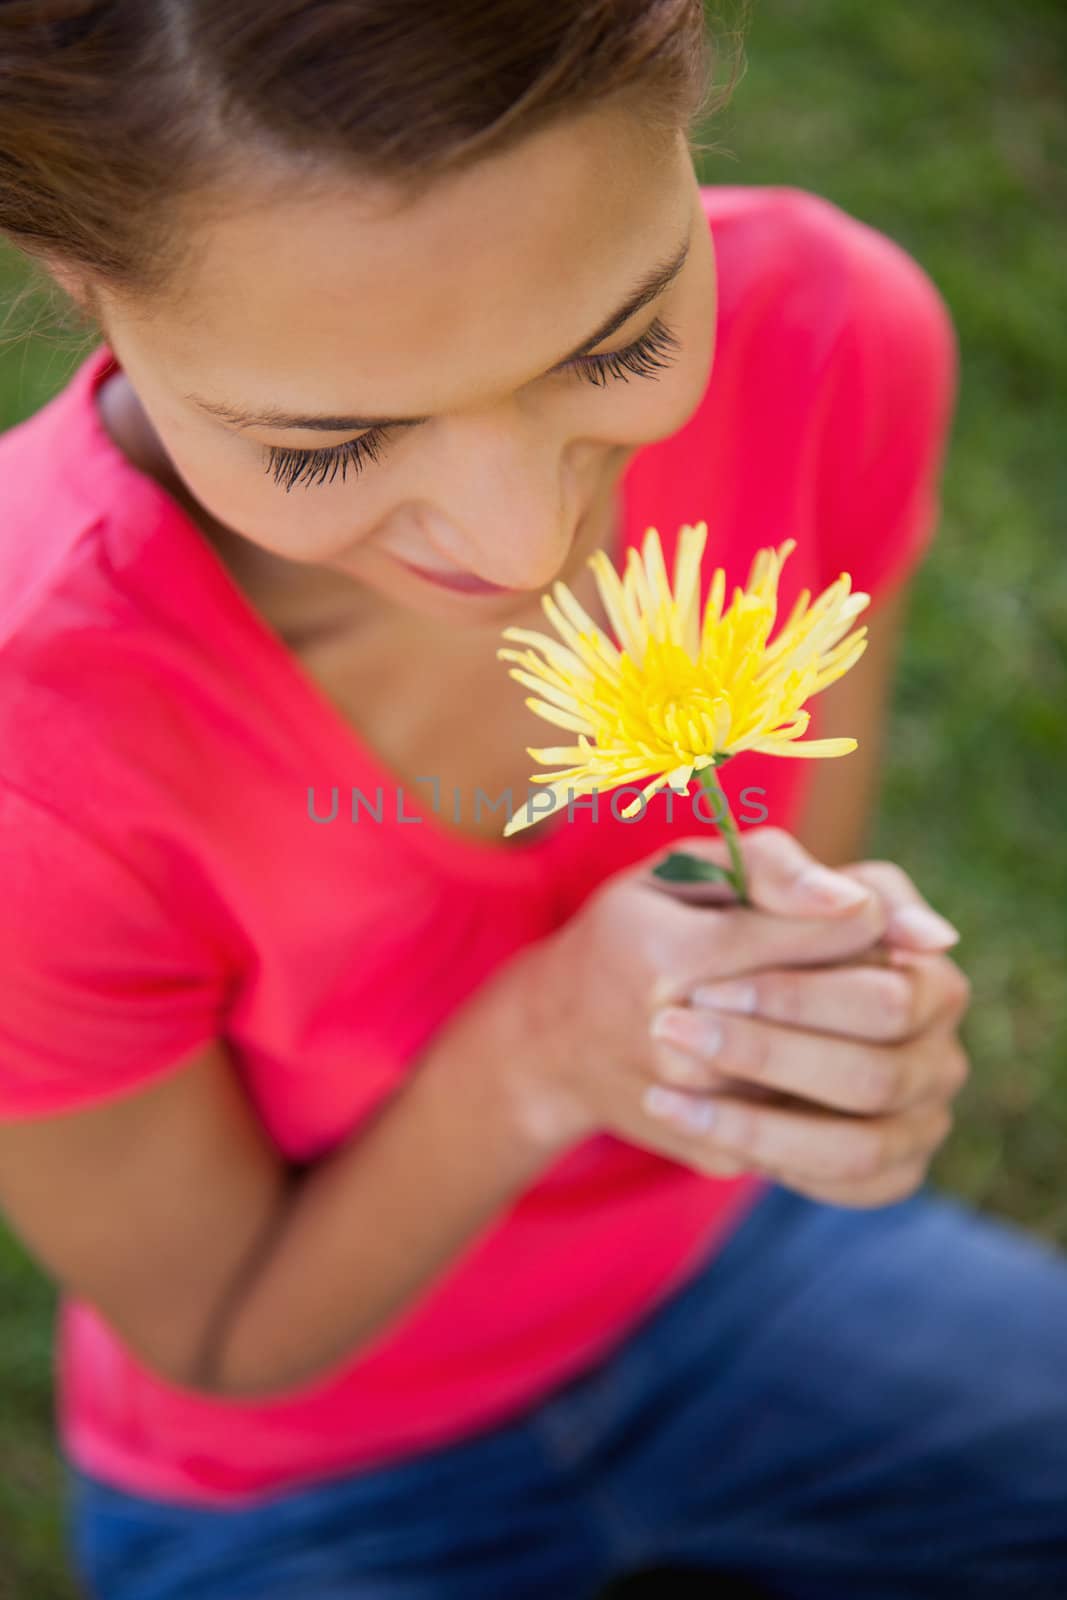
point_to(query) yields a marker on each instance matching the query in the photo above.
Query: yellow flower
(678, 693)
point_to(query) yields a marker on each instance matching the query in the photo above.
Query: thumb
(781, 875)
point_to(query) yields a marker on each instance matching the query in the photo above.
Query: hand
(873, 1046)
(912, 923)
(589, 992)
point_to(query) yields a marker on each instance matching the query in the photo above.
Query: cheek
(696, 329)
(644, 411)
(660, 408)
(694, 371)
(232, 482)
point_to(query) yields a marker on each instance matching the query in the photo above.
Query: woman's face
(450, 320)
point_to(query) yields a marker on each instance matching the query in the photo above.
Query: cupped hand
(834, 1061)
(835, 1081)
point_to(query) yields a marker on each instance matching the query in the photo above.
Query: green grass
(944, 126)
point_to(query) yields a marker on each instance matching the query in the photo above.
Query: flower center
(687, 721)
(667, 708)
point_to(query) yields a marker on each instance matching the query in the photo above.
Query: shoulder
(44, 520)
(67, 643)
(818, 275)
(55, 614)
(107, 978)
(101, 763)
(849, 337)
(80, 652)
(65, 491)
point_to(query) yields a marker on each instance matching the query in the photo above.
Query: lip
(460, 582)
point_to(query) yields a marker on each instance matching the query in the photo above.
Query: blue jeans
(839, 1405)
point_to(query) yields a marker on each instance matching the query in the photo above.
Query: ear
(74, 285)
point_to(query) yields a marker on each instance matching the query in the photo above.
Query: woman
(383, 1271)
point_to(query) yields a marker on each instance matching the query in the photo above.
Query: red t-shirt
(164, 883)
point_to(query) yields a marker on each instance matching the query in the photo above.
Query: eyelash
(655, 350)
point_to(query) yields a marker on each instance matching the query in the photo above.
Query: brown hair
(115, 112)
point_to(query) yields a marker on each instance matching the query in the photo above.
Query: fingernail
(730, 994)
(828, 888)
(693, 1030)
(922, 926)
(697, 1116)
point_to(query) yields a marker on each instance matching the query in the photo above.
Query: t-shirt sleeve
(889, 417)
(101, 989)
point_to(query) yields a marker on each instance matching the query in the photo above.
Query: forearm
(373, 1224)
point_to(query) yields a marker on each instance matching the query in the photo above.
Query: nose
(509, 506)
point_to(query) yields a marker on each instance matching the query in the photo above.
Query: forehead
(340, 294)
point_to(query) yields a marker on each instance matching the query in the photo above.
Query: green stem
(727, 827)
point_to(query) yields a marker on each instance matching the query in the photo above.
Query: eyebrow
(650, 287)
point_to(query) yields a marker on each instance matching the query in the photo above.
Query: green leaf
(681, 868)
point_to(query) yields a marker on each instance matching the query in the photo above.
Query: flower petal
(617, 603)
(805, 747)
(687, 560)
(685, 686)
(681, 777)
(565, 660)
(561, 718)
(659, 587)
(640, 802)
(562, 624)
(557, 754)
(563, 698)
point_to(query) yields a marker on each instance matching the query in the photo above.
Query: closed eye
(655, 350)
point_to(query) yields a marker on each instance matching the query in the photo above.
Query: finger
(781, 875)
(694, 946)
(694, 1048)
(911, 920)
(949, 989)
(896, 1183)
(813, 1145)
(858, 1000)
(668, 1137)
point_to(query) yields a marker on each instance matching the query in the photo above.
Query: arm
(376, 1222)
(241, 1276)
(836, 816)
